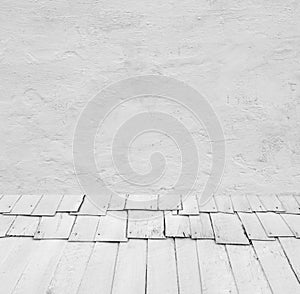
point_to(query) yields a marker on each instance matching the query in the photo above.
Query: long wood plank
(5, 223)
(201, 227)
(24, 226)
(169, 202)
(130, 270)
(161, 270)
(142, 202)
(276, 267)
(271, 203)
(112, 227)
(228, 229)
(84, 229)
(274, 225)
(39, 271)
(240, 202)
(7, 202)
(70, 203)
(56, 227)
(289, 203)
(216, 274)
(145, 224)
(291, 246)
(247, 271)
(98, 277)
(208, 206)
(189, 205)
(224, 203)
(6, 245)
(26, 204)
(255, 203)
(293, 222)
(187, 266)
(253, 227)
(47, 205)
(177, 225)
(70, 268)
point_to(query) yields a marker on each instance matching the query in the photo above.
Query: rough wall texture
(56, 55)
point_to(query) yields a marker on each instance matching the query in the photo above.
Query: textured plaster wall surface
(243, 56)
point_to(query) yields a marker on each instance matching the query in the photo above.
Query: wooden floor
(63, 244)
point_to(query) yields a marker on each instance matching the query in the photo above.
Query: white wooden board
(189, 205)
(276, 267)
(5, 223)
(271, 203)
(117, 202)
(47, 205)
(142, 202)
(6, 245)
(25, 205)
(240, 202)
(289, 203)
(255, 203)
(224, 203)
(177, 225)
(209, 206)
(88, 208)
(201, 227)
(24, 226)
(70, 203)
(169, 202)
(7, 202)
(293, 222)
(84, 228)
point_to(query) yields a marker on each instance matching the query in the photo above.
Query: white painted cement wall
(244, 56)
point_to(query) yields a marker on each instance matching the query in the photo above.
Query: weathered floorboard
(201, 227)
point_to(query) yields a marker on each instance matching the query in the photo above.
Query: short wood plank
(271, 203)
(70, 203)
(130, 273)
(56, 227)
(253, 227)
(47, 205)
(161, 270)
(276, 267)
(209, 206)
(274, 225)
(255, 203)
(216, 274)
(5, 223)
(40, 269)
(24, 226)
(89, 208)
(224, 203)
(84, 229)
(145, 224)
(117, 202)
(289, 203)
(7, 202)
(228, 229)
(26, 204)
(142, 202)
(187, 266)
(169, 202)
(201, 227)
(112, 227)
(240, 203)
(247, 271)
(291, 247)
(98, 277)
(71, 267)
(293, 222)
(177, 225)
(189, 205)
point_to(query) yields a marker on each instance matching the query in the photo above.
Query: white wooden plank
(142, 202)
(7, 202)
(39, 271)
(276, 267)
(70, 269)
(271, 203)
(84, 229)
(112, 227)
(216, 274)
(247, 271)
(88, 208)
(240, 202)
(70, 203)
(130, 270)
(26, 204)
(224, 203)
(228, 229)
(24, 226)
(169, 202)
(253, 227)
(289, 203)
(274, 225)
(6, 245)
(5, 223)
(98, 277)
(201, 227)
(293, 222)
(177, 225)
(145, 224)
(189, 205)
(255, 203)
(291, 247)
(187, 266)
(117, 202)
(208, 206)
(56, 227)
(161, 270)
(15, 263)
(47, 205)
